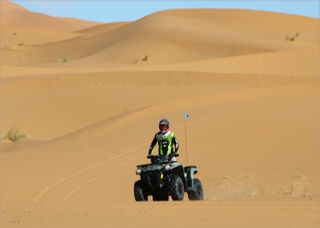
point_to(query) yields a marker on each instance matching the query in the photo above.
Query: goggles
(163, 127)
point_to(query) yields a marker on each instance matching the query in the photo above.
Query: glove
(174, 154)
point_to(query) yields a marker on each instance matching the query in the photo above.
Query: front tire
(197, 193)
(140, 193)
(176, 188)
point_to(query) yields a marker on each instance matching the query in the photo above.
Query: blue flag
(186, 115)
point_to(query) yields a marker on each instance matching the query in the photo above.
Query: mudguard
(190, 171)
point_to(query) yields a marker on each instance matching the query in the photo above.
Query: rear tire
(140, 193)
(197, 194)
(176, 188)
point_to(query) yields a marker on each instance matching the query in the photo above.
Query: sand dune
(166, 35)
(15, 15)
(89, 106)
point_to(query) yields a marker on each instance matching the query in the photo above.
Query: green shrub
(145, 58)
(293, 37)
(15, 136)
(63, 60)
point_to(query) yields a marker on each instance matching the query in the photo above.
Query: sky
(108, 11)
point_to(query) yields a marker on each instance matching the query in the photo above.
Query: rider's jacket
(165, 143)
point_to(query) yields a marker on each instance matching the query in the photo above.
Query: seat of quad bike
(159, 159)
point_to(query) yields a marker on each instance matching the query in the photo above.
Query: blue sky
(115, 11)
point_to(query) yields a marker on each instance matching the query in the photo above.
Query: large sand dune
(89, 105)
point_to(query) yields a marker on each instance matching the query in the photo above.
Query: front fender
(177, 169)
(190, 171)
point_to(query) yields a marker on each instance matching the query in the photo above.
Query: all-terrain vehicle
(163, 178)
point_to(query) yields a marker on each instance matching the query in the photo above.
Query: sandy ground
(88, 98)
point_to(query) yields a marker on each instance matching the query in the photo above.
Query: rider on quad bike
(165, 176)
(166, 140)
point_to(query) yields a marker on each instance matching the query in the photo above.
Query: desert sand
(88, 96)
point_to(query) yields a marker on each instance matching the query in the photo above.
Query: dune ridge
(16, 15)
(88, 97)
(198, 41)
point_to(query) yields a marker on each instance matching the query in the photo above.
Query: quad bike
(163, 178)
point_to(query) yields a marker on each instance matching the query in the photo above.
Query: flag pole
(185, 134)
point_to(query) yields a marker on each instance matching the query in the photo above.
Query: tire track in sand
(38, 198)
(40, 195)
(70, 194)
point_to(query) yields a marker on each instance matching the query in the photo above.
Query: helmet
(164, 125)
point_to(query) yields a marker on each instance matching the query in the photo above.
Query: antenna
(185, 133)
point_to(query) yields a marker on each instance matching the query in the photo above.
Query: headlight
(138, 171)
(167, 167)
